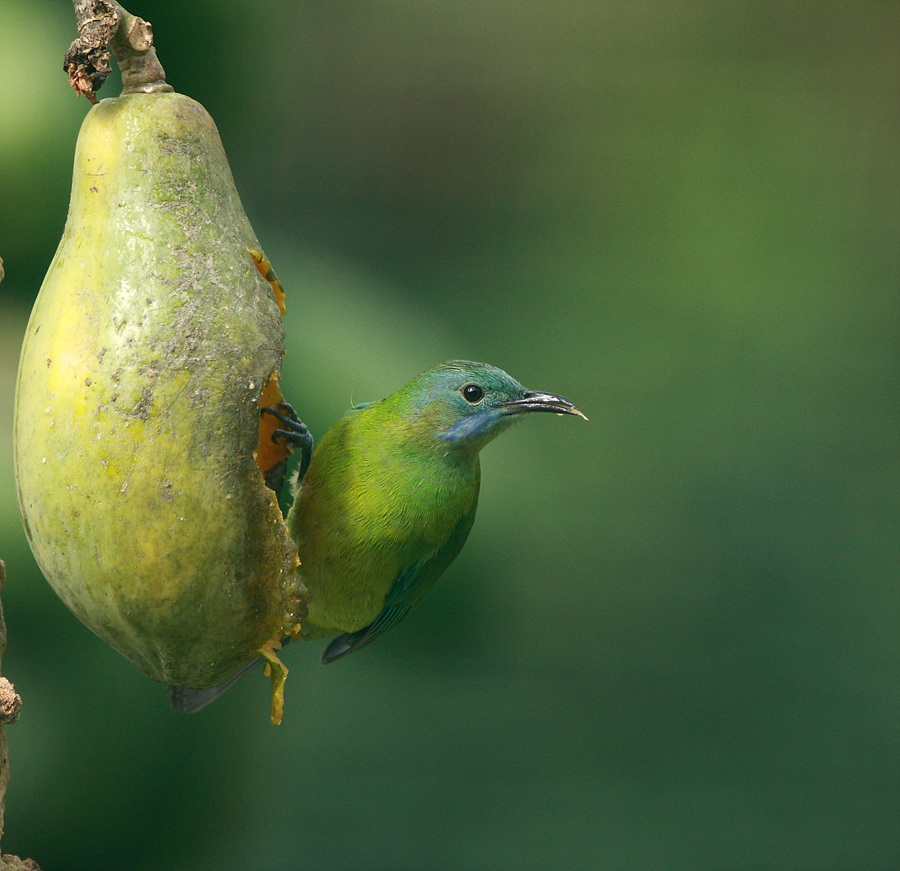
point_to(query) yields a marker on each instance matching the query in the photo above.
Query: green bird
(387, 500)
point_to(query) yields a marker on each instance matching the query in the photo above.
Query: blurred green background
(672, 640)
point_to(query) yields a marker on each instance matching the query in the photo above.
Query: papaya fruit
(140, 450)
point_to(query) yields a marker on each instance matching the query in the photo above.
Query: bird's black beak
(533, 400)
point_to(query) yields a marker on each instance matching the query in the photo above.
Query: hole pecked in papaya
(271, 456)
(269, 453)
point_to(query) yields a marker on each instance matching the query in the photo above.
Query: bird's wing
(409, 586)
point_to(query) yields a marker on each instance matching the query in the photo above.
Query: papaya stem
(102, 25)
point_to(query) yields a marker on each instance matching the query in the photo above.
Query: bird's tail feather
(190, 700)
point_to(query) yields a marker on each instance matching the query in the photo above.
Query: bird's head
(467, 404)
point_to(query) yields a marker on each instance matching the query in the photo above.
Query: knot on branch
(139, 34)
(14, 863)
(10, 703)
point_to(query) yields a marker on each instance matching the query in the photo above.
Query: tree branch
(10, 705)
(105, 24)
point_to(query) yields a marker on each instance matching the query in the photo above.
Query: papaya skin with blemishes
(137, 422)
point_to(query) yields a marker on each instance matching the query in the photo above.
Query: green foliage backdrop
(672, 641)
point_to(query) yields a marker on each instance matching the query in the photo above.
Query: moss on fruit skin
(137, 405)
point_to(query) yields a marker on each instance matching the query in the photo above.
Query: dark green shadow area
(671, 641)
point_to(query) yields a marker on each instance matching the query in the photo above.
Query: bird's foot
(296, 436)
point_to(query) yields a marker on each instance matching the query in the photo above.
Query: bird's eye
(472, 393)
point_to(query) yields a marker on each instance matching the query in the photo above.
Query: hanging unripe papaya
(139, 449)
